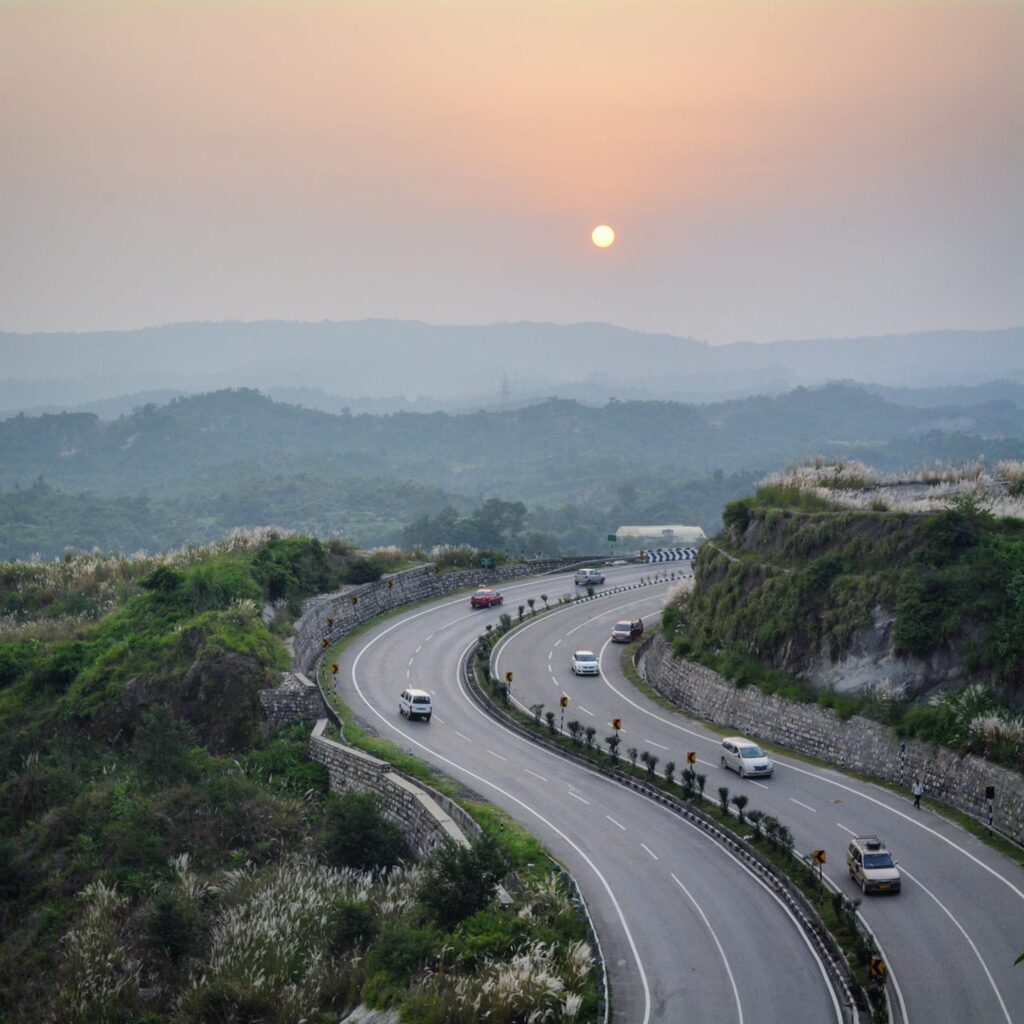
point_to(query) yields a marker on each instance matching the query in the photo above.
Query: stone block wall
(331, 616)
(297, 699)
(856, 743)
(427, 817)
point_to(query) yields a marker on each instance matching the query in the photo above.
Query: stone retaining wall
(331, 616)
(297, 699)
(427, 817)
(856, 743)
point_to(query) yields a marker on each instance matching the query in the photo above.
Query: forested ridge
(193, 469)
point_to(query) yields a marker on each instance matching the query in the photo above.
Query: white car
(415, 704)
(585, 663)
(588, 577)
(745, 757)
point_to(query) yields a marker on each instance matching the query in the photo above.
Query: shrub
(362, 570)
(161, 745)
(460, 880)
(350, 924)
(357, 835)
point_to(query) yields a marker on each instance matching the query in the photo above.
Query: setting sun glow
(602, 236)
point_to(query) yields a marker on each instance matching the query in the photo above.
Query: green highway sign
(611, 537)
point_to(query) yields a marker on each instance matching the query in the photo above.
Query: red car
(486, 598)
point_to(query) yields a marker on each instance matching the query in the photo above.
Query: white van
(745, 757)
(415, 704)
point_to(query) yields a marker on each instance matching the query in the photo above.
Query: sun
(602, 236)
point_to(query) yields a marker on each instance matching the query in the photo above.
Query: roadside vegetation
(792, 577)
(165, 857)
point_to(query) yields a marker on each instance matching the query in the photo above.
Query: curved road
(949, 938)
(687, 932)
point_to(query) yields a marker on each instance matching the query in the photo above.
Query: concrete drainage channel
(856, 1006)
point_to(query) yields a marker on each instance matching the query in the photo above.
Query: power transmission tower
(504, 390)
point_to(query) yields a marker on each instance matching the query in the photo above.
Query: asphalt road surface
(686, 931)
(949, 938)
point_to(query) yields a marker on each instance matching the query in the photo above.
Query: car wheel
(724, 765)
(400, 711)
(742, 773)
(864, 886)
(426, 718)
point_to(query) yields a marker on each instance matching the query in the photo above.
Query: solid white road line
(522, 803)
(970, 941)
(718, 945)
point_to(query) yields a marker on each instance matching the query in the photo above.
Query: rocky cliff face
(853, 600)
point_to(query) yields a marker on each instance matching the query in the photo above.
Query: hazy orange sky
(772, 169)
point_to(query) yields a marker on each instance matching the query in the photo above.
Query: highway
(686, 931)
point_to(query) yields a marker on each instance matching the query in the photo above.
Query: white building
(644, 538)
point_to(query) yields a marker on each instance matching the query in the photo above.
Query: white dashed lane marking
(578, 797)
(535, 775)
(660, 745)
(463, 735)
(615, 823)
(800, 803)
(498, 756)
(650, 851)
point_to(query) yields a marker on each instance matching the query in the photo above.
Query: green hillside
(796, 587)
(165, 858)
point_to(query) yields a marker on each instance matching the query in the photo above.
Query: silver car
(745, 757)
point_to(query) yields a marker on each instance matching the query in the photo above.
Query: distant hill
(558, 449)
(382, 358)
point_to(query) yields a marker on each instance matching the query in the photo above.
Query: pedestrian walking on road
(918, 790)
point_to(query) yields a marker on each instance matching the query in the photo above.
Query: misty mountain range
(159, 465)
(385, 365)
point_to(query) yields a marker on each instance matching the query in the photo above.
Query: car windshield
(623, 625)
(585, 656)
(483, 593)
(421, 700)
(751, 751)
(878, 860)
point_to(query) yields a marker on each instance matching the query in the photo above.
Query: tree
(575, 729)
(460, 880)
(723, 798)
(632, 753)
(670, 771)
(536, 710)
(739, 802)
(357, 835)
(589, 733)
(173, 924)
(613, 745)
(549, 717)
